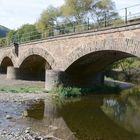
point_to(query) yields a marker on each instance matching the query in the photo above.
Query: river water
(96, 117)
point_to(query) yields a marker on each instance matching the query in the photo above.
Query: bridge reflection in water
(98, 117)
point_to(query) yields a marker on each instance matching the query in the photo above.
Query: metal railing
(125, 16)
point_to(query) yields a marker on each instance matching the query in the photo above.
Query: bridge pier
(55, 78)
(97, 79)
(12, 73)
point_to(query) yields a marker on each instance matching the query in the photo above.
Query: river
(94, 117)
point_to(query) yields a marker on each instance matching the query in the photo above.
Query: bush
(66, 91)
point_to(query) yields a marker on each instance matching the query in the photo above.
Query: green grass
(21, 89)
(135, 91)
(66, 91)
(76, 92)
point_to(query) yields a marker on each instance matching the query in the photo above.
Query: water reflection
(114, 109)
(125, 112)
(35, 110)
(42, 116)
(86, 118)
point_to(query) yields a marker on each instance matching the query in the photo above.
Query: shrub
(66, 91)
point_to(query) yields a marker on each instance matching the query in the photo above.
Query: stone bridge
(75, 59)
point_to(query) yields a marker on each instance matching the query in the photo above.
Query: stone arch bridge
(71, 59)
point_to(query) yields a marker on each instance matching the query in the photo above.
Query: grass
(76, 92)
(135, 91)
(21, 89)
(66, 91)
(62, 91)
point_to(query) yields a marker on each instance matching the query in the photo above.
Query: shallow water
(97, 117)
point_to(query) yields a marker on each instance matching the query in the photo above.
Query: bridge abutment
(13, 73)
(93, 80)
(54, 78)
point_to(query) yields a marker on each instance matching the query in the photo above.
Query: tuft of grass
(66, 91)
(21, 89)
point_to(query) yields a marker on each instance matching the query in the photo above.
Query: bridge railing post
(74, 28)
(125, 15)
(105, 19)
(88, 24)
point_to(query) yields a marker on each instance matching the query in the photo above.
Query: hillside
(3, 31)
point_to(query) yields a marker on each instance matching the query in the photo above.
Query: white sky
(15, 13)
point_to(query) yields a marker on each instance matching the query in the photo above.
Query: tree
(10, 37)
(26, 33)
(126, 65)
(76, 8)
(48, 19)
(99, 11)
(103, 12)
(73, 15)
(3, 42)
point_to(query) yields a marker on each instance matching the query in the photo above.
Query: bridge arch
(33, 64)
(37, 51)
(85, 63)
(7, 59)
(126, 46)
(4, 64)
(9, 55)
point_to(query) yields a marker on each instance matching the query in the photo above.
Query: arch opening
(4, 64)
(88, 69)
(33, 68)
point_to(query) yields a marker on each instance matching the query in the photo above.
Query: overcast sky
(14, 13)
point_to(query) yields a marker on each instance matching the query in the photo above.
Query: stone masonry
(63, 52)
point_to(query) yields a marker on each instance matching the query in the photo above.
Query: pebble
(38, 138)
(28, 130)
(8, 117)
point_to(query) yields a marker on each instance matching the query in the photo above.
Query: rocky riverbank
(24, 134)
(13, 116)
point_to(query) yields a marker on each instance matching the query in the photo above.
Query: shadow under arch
(85, 70)
(6, 61)
(33, 68)
(37, 51)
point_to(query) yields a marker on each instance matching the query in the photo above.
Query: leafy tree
(73, 14)
(48, 19)
(76, 8)
(103, 11)
(3, 42)
(10, 36)
(99, 11)
(126, 65)
(26, 33)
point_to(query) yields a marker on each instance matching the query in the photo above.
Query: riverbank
(23, 117)
(9, 116)
(28, 116)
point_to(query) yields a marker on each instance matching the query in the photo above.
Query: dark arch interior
(4, 64)
(33, 68)
(88, 67)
